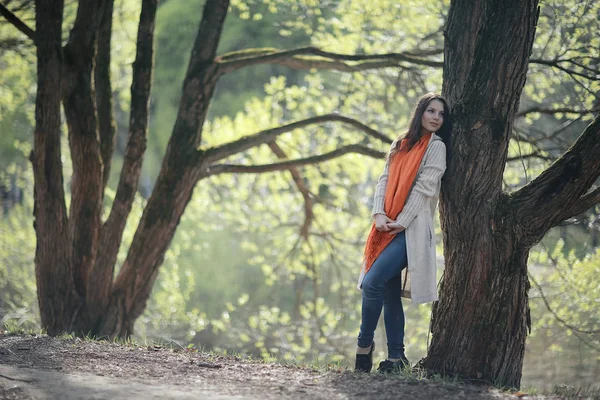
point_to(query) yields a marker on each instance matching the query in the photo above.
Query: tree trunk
(480, 323)
(106, 121)
(182, 167)
(57, 297)
(112, 231)
(74, 273)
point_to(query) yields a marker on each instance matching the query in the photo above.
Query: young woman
(402, 234)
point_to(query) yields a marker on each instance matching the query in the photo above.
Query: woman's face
(433, 117)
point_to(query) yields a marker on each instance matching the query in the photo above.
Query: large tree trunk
(74, 284)
(480, 323)
(57, 297)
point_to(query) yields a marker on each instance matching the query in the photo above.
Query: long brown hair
(415, 128)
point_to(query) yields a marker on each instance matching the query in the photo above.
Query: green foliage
(18, 301)
(565, 315)
(176, 29)
(17, 99)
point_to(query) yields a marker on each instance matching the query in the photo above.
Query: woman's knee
(371, 286)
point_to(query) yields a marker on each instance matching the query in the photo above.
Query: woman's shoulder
(436, 143)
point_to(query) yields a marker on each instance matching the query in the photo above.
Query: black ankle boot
(387, 366)
(364, 362)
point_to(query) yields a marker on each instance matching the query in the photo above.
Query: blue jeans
(381, 288)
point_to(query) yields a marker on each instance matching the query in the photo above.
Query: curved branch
(558, 318)
(309, 215)
(583, 204)
(556, 64)
(565, 110)
(312, 57)
(557, 192)
(16, 21)
(259, 169)
(220, 152)
(536, 154)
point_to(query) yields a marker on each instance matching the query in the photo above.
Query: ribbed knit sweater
(428, 178)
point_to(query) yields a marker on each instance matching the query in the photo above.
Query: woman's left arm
(426, 183)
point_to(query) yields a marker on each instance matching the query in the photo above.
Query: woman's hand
(393, 228)
(381, 222)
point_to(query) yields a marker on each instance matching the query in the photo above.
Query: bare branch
(259, 169)
(308, 202)
(564, 110)
(593, 74)
(16, 21)
(530, 137)
(540, 204)
(218, 153)
(312, 57)
(558, 318)
(536, 154)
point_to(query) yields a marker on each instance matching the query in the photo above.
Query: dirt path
(39, 367)
(25, 383)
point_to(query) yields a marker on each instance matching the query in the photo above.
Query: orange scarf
(403, 169)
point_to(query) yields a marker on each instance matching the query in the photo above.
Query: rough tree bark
(74, 291)
(481, 322)
(57, 297)
(106, 122)
(79, 102)
(112, 230)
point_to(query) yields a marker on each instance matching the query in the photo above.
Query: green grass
(13, 328)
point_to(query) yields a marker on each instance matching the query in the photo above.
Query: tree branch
(112, 230)
(104, 101)
(201, 76)
(179, 173)
(218, 153)
(583, 204)
(308, 202)
(541, 204)
(536, 154)
(556, 316)
(593, 76)
(312, 57)
(259, 169)
(565, 110)
(80, 110)
(16, 21)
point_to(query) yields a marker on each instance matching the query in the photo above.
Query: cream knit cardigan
(419, 281)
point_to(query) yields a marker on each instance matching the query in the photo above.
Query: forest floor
(41, 367)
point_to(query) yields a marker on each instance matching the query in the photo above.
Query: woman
(402, 233)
